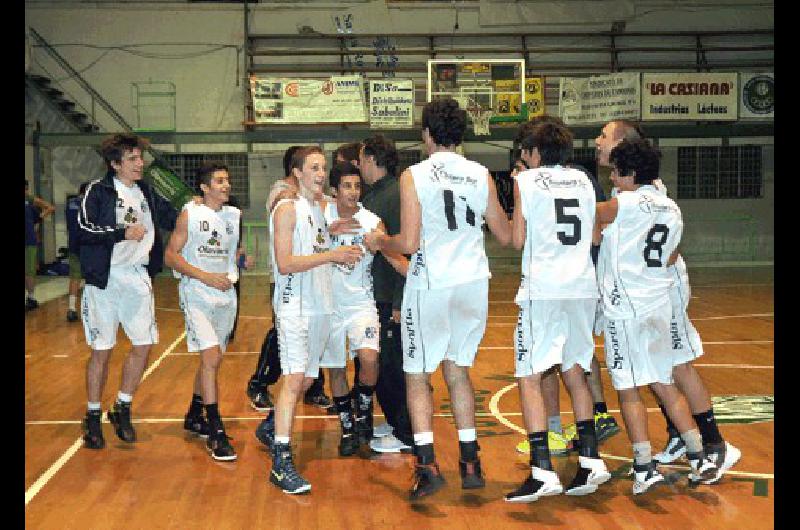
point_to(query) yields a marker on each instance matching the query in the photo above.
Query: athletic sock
(73, 300)
(345, 411)
(642, 453)
(600, 408)
(214, 421)
(196, 406)
(282, 440)
(423, 448)
(122, 397)
(364, 397)
(708, 427)
(554, 423)
(693, 441)
(94, 407)
(540, 452)
(588, 439)
(468, 444)
(671, 429)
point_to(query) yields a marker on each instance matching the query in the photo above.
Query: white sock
(122, 397)
(94, 406)
(693, 441)
(282, 440)
(467, 435)
(642, 453)
(554, 424)
(423, 438)
(72, 301)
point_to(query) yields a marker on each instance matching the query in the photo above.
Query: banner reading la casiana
(339, 99)
(391, 103)
(599, 99)
(689, 96)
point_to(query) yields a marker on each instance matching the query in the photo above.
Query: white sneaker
(703, 470)
(645, 477)
(725, 457)
(388, 444)
(541, 483)
(591, 473)
(674, 449)
(379, 431)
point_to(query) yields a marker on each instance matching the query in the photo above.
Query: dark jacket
(99, 230)
(73, 228)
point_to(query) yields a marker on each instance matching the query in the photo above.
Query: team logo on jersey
(130, 216)
(412, 339)
(419, 263)
(143, 206)
(646, 204)
(543, 180)
(521, 349)
(613, 340)
(214, 239)
(437, 172)
(614, 297)
(677, 343)
(370, 332)
(320, 236)
(310, 221)
(228, 228)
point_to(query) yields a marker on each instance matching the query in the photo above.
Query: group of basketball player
(322, 250)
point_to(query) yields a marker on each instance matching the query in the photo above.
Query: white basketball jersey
(352, 285)
(212, 239)
(634, 278)
(452, 193)
(131, 209)
(558, 205)
(303, 293)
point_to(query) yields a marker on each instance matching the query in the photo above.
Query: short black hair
(384, 152)
(445, 121)
(348, 151)
(339, 170)
(553, 140)
(206, 170)
(113, 147)
(636, 155)
(287, 159)
(631, 130)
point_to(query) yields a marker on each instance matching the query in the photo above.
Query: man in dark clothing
(378, 161)
(71, 210)
(120, 250)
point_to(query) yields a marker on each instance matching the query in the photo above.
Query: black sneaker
(30, 303)
(348, 444)
(219, 448)
(363, 428)
(471, 475)
(93, 431)
(427, 481)
(196, 424)
(120, 418)
(283, 473)
(319, 400)
(72, 316)
(265, 432)
(260, 399)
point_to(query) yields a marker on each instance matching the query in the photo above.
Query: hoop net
(480, 120)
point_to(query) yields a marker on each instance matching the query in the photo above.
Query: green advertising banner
(168, 184)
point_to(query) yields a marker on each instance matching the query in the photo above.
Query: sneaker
(72, 316)
(384, 429)
(674, 449)
(427, 481)
(724, 456)
(120, 418)
(348, 444)
(558, 444)
(570, 432)
(283, 473)
(363, 428)
(196, 424)
(645, 476)
(471, 475)
(591, 473)
(30, 304)
(703, 469)
(320, 400)
(265, 432)
(260, 399)
(219, 448)
(93, 431)
(388, 444)
(541, 483)
(605, 426)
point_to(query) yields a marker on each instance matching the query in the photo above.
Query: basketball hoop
(480, 120)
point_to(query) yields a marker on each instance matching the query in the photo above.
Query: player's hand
(217, 280)
(344, 226)
(396, 316)
(374, 239)
(135, 232)
(346, 254)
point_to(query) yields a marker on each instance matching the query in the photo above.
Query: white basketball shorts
(639, 351)
(686, 343)
(301, 341)
(443, 324)
(358, 327)
(553, 332)
(208, 312)
(127, 300)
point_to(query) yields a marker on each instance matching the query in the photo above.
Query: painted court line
(31, 492)
(600, 346)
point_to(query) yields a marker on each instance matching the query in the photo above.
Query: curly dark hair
(339, 170)
(113, 147)
(639, 156)
(206, 170)
(384, 152)
(348, 151)
(552, 139)
(445, 121)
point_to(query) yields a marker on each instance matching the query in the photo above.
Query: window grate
(186, 165)
(714, 172)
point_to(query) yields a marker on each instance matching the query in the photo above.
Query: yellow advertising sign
(508, 100)
(534, 96)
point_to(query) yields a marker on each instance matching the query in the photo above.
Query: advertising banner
(600, 98)
(757, 96)
(689, 96)
(339, 99)
(391, 103)
(534, 96)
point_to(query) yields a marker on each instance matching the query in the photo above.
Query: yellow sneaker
(557, 443)
(571, 432)
(605, 426)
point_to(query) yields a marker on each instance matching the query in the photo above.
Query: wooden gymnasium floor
(167, 480)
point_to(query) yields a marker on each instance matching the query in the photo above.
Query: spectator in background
(36, 210)
(71, 211)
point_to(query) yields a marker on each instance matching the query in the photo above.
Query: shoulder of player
(367, 215)
(227, 209)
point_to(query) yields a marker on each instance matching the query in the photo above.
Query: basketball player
(443, 201)
(557, 298)
(36, 210)
(301, 258)
(202, 251)
(120, 250)
(686, 343)
(642, 229)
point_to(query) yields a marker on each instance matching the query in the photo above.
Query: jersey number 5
(655, 245)
(450, 210)
(563, 219)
